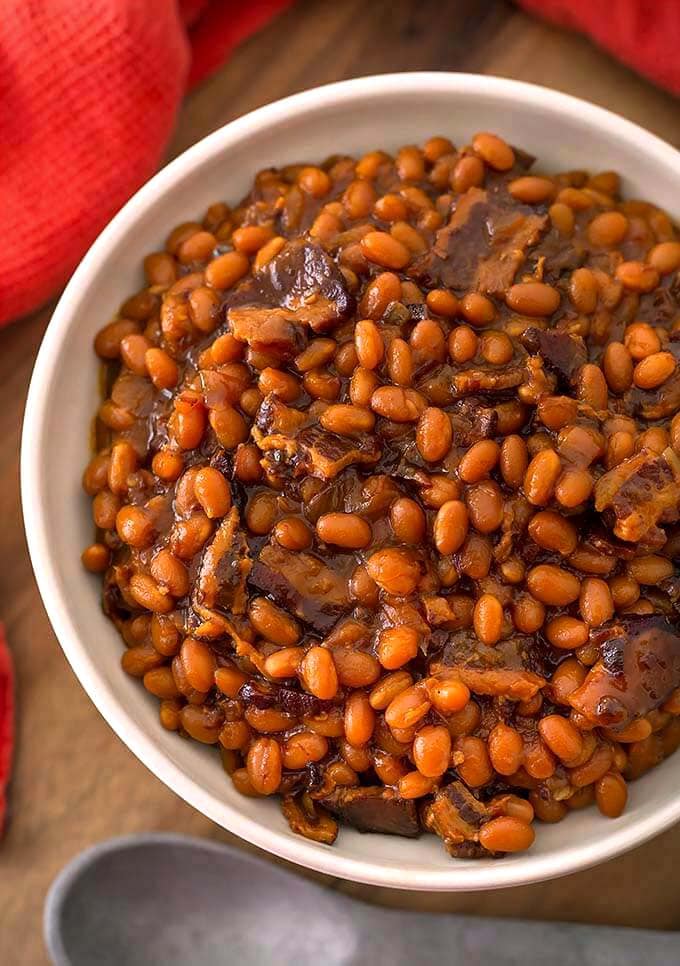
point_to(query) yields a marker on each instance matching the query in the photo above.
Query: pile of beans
(389, 457)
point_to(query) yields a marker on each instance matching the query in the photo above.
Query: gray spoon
(161, 900)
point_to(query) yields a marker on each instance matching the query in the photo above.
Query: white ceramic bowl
(351, 117)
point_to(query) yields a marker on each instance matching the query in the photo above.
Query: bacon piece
(638, 669)
(641, 492)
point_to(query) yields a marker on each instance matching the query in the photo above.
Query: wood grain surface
(75, 783)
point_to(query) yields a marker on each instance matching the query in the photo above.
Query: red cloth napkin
(645, 34)
(6, 724)
(89, 92)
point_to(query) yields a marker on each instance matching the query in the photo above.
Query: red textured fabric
(6, 724)
(89, 93)
(645, 34)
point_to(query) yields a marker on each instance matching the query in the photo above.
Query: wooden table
(75, 783)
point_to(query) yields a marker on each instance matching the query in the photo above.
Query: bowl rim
(528, 869)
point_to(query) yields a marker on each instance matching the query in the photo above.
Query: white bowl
(352, 117)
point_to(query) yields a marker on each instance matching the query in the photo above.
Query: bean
(608, 229)
(407, 235)
(96, 558)
(380, 292)
(199, 664)
(593, 769)
(268, 251)
(496, 152)
(212, 492)
(650, 569)
(541, 477)
(475, 557)
(359, 719)
(347, 420)
(477, 309)
(224, 271)
(431, 750)
(654, 370)
(641, 340)
(316, 354)
(162, 369)
(145, 591)
(368, 343)
(450, 527)
(408, 707)
(448, 696)
(562, 218)
(382, 249)
(637, 276)
(302, 748)
(488, 619)
(415, 785)
(107, 343)
(428, 340)
(273, 623)
(471, 760)
(230, 680)
(318, 673)
(434, 434)
(513, 806)
(280, 384)
(358, 199)
(397, 404)
(321, 384)
(566, 632)
(591, 386)
(513, 461)
(122, 463)
(388, 688)
(567, 677)
(442, 302)
(485, 506)
(506, 834)
(551, 531)
(573, 488)
(561, 737)
(583, 290)
(293, 533)
(547, 809)
(496, 348)
(347, 530)
(618, 367)
(284, 663)
(226, 349)
(397, 646)
(462, 344)
(400, 362)
(356, 669)
(170, 573)
(595, 601)
(506, 749)
(611, 794)
(314, 181)
(264, 764)
(532, 298)
(135, 527)
(532, 190)
(665, 257)
(394, 570)
(261, 512)
(363, 588)
(407, 520)
(478, 461)
(468, 173)
(553, 585)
